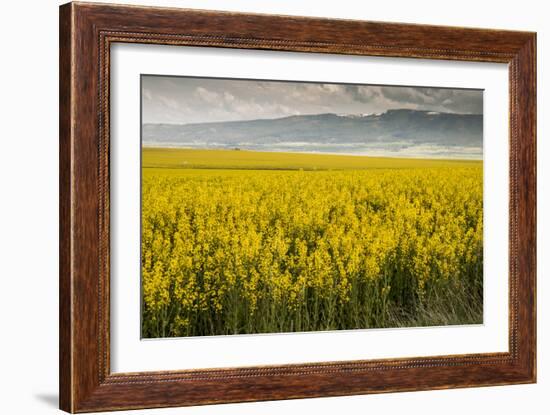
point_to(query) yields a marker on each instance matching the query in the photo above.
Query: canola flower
(258, 251)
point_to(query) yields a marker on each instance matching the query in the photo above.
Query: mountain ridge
(393, 128)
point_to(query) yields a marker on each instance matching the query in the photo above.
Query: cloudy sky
(182, 100)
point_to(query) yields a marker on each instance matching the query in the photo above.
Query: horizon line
(312, 115)
(311, 153)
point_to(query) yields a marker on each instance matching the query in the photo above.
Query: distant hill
(327, 132)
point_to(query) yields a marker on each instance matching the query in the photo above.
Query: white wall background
(29, 205)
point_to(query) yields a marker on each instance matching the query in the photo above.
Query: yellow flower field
(238, 242)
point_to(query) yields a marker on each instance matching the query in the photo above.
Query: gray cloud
(364, 94)
(189, 100)
(451, 100)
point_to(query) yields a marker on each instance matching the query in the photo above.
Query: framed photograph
(258, 207)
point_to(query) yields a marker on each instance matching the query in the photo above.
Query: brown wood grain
(65, 247)
(86, 33)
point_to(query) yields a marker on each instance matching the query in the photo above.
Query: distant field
(241, 242)
(252, 160)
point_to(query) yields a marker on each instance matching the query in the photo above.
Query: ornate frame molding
(86, 34)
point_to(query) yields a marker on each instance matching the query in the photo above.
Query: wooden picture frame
(86, 33)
